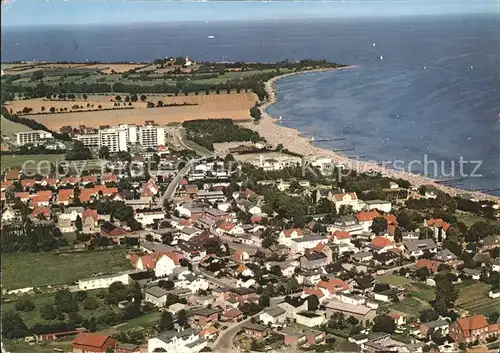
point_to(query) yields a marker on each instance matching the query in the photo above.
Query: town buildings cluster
(221, 251)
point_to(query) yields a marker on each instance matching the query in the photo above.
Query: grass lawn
(394, 280)
(141, 322)
(21, 347)
(469, 218)
(423, 291)
(474, 298)
(32, 317)
(19, 160)
(38, 269)
(8, 127)
(410, 306)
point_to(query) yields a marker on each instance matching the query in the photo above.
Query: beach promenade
(291, 139)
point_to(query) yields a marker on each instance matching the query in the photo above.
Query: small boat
(381, 57)
(374, 44)
(211, 37)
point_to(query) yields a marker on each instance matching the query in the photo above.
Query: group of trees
(208, 132)
(29, 237)
(78, 152)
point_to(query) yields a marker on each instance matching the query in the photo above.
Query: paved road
(224, 343)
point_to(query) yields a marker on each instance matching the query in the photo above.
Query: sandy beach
(291, 139)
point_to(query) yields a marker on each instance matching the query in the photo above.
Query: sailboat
(381, 57)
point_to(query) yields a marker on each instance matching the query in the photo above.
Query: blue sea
(426, 89)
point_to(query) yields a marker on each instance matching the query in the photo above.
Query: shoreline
(293, 140)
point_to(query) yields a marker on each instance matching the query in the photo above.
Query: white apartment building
(26, 137)
(151, 136)
(104, 281)
(186, 341)
(120, 137)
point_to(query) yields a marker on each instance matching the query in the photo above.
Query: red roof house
(89, 343)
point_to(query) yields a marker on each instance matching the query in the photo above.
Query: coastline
(293, 140)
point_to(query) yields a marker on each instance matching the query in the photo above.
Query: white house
(417, 248)
(380, 205)
(346, 224)
(299, 245)
(309, 319)
(366, 218)
(8, 215)
(71, 213)
(229, 228)
(274, 316)
(192, 282)
(148, 217)
(350, 298)
(286, 235)
(287, 267)
(348, 199)
(185, 341)
(104, 281)
(166, 264)
(156, 295)
(494, 293)
(293, 307)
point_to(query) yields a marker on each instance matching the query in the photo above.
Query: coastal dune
(291, 139)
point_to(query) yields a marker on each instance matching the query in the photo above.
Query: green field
(8, 127)
(8, 161)
(21, 347)
(398, 281)
(409, 306)
(474, 298)
(39, 269)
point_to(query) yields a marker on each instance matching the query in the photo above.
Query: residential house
(299, 337)
(439, 228)
(166, 263)
(418, 248)
(495, 265)
(431, 265)
(104, 281)
(333, 287)
(441, 325)
(468, 329)
(490, 242)
(363, 314)
(244, 271)
(255, 330)
(313, 260)
(240, 255)
(285, 237)
(380, 205)
(113, 232)
(185, 341)
(149, 216)
(8, 215)
(230, 228)
(41, 199)
(446, 257)
(90, 220)
(232, 315)
(349, 200)
(293, 305)
(156, 295)
(206, 316)
(399, 319)
(341, 237)
(299, 245)
(380, 244)
(91, 343)
(274, 316)
(346, 224)
(309, 318)
(24, 197)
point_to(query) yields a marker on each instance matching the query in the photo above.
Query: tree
(379, 225)
(159, 104)
(118, 98)
(48, 312)
(13, 326)
(24, 305)
(104, 152)
(428, 315)
(75, 318)
(166, 284)
(84, 96)
(446, 293)
(182, 318)
(65, 302)
(422, 273)
(80, 296)
(384, 323)
(166, 321)
(255, 113)
(405, 221)
(264, 300)
(143, 98)
(52, 109)
(90, 303)
(78, 223)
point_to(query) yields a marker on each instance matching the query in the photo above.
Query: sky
(29, 13)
